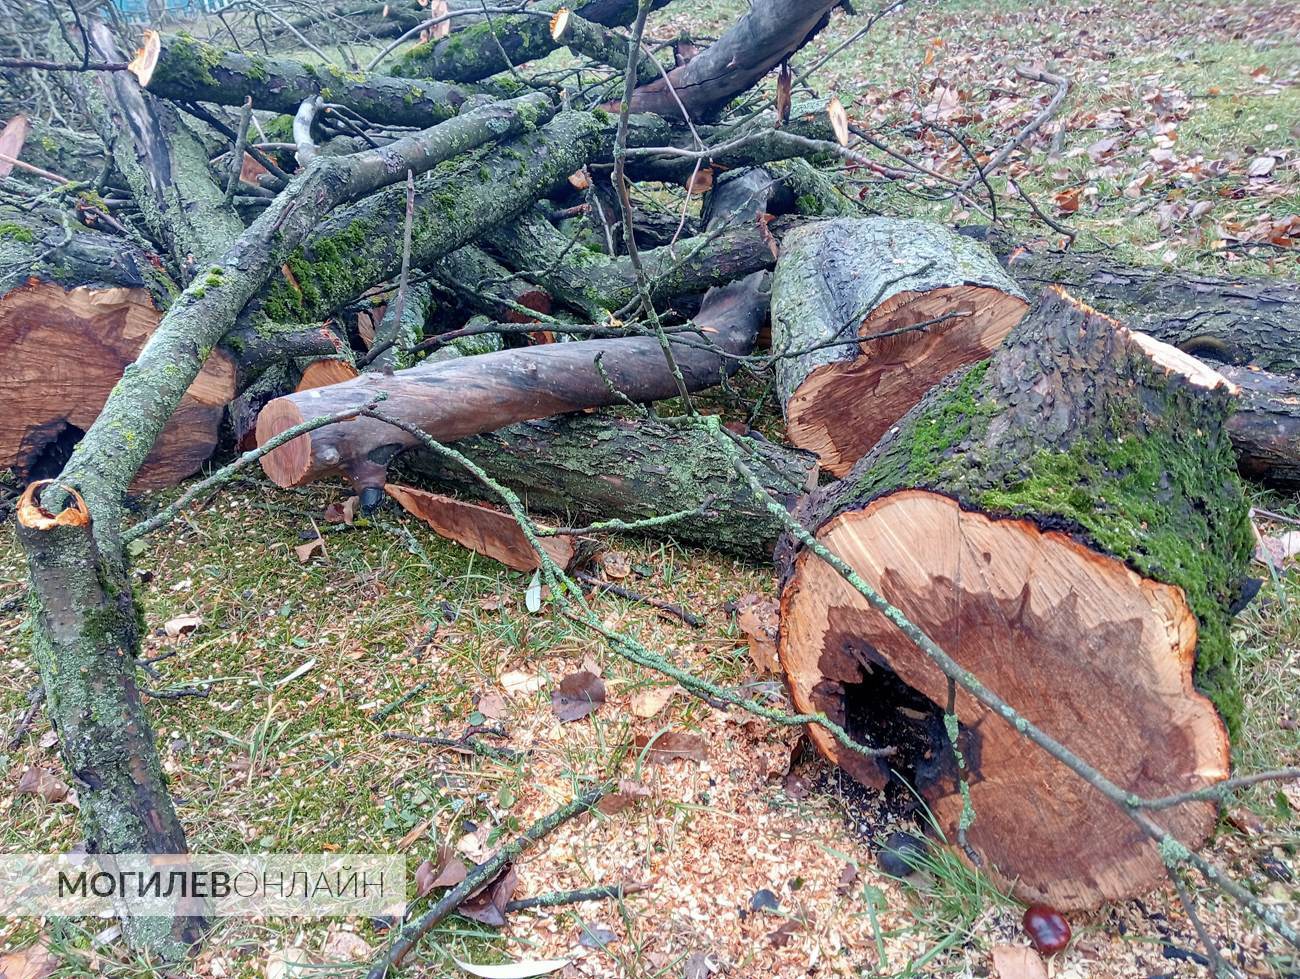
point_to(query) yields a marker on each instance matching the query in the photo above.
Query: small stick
(384, 712)
(690, 618)
(557, 899)
(237, 157)
(35, 697)
(466, 746)
(480, 875)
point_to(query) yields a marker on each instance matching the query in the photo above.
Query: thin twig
(690, 618)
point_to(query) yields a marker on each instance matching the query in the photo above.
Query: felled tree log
(69, 325)
(362, 244)
(164, 163)
(588, 467)
(470, 395)
(768, 33)
(489, 288)
(783, 187)
(192, 71)
(883, 278)
(592, 282)
(1064, 520)
(490, 46)
(1248, 322)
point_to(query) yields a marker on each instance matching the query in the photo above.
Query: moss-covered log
(470, 395)
(592, 282)
(867, 315)
(588, 467)
(1265, 428)
(454, 204)
(189, 70)
(1064, 519)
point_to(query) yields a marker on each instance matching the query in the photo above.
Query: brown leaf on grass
(577, 696)
(344, 512)
(1276, 551)
(289, 963)
(628, 794)
(616, 565)
(848, 877)
(41, 781)
(416, 832)
(345, 946)
(1067, 201)
(759, 619)
(673, 746)
(33, 962)
(493, 706)
(650, 702)
(12, 140)
(182, 625)
(306, 551)
(1017, 962)
(516, 683)
(447, 870)
(488, 904)
(1261, 166)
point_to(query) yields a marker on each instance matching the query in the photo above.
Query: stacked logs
(1047, 492)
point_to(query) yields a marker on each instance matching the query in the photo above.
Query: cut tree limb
(470, 395)
(590, 467)
(189, 70)
(884, 278)
(1065, 520)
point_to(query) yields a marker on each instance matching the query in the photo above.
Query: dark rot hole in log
(883, 711)
(49, 447)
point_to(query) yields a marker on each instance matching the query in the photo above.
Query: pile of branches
(336, 268)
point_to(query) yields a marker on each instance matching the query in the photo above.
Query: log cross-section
(1064, 519)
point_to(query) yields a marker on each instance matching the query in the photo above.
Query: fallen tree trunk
(1050, 520)
(588, 467)
(877, 281)
(1248, 322)
(192, 71)
(467, 396)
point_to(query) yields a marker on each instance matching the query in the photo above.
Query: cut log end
(291, 463)
(894, 372)
(1020, 607)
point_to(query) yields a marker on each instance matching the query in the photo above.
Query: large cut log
(588, 467)
(189, 70)
(467, 396)
(70, 322)
(868, 314)
(1248, 322)
(1065, 521)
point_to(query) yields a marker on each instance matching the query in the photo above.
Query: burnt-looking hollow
(47, 448)
(883, 711)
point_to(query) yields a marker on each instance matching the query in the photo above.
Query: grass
(266, 762)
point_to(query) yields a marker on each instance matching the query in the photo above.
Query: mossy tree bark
(590, 467)
(867, 315)
(467, 396)
(70, 577)
(1065, 520)
(192, 71)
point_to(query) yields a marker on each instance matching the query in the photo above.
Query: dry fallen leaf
(288, 963)
(650, 702)
(493, 706)
(345, 946)
(488, 905)
(1277, 550)
(629, 792)
(34, 962)
(1017, 962)
(306, 551)
(516, 683)
(673, 745)
(447, 871)
(41, 781)
(1261, 166)
(514, 970)
(418, 830)
(759, 619)
(615, 564)
(577, 696)
(182, 625)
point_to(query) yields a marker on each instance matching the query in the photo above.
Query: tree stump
(878, 280)
(1065, 520)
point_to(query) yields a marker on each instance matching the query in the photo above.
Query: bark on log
(769, 32)
(1248, 322)
(362, 244)
(1063, 519)
(587, 467)
(846, 278)
(164, 163)
(479, 50)
(192, 71)
(487, 287)
(479, 394)
(69, 325)
(592, 283)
